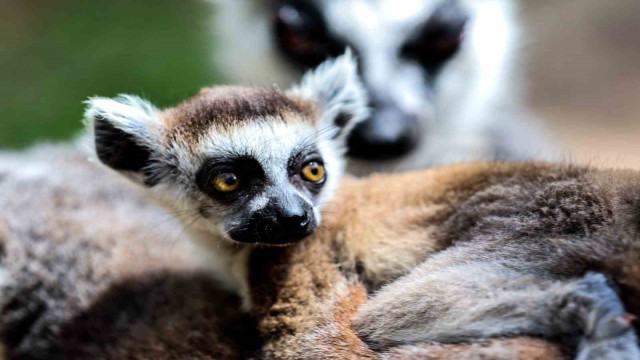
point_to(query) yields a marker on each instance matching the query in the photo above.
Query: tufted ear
(336, 87)
(126, 132)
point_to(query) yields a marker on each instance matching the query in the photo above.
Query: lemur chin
(440, 73)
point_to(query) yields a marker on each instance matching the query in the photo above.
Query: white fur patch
(272, 143)
(336, 86)
(128, 113)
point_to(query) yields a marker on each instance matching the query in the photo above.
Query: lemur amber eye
(313, 172)
(226, 182)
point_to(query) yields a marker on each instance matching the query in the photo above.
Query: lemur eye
(226, 182)
(302, 34)
(440, 38)
(313, 172)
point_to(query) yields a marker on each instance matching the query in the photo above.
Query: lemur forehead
(229, 108)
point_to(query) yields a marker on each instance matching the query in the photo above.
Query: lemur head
(425, 63)
(250, 165)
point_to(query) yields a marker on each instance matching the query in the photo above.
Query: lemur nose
(388, 134)
(295, 222)
(280, 225)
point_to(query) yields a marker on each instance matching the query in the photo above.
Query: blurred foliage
(55, 54)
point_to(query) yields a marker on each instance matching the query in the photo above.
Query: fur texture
(263, 135)
(95, 272)
(508, 248)
(533, 231)
(124, 285)
(457, 254)
(303, 294)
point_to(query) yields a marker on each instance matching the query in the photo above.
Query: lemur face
(437, 71)
(249, 165)
(402, 44)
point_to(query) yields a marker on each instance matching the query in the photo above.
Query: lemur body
(122, 286)
(259, 165)
(130, 287)
(442, 75)
(481, 250)
(96, 272)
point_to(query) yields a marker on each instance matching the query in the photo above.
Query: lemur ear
(125, 131)
(336, 86)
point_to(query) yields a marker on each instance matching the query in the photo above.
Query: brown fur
(331, 336)
(306, 303)
(502, 349)
(226, 107)
(137, 268)
(121, 286)
(305, 295)
(379, 228)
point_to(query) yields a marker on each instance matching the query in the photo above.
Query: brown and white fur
(486, 250)
(125, 286)
(97, 272)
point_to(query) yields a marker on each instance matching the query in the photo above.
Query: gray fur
(519, 246)
(95, 272)
(483, 300)
(335, 84)
(518, 263)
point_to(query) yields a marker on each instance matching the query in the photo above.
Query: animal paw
(609, 332)
(621, 347)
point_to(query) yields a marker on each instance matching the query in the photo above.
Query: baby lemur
(486, 250)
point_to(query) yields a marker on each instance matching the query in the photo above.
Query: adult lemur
(486, 250)
(441, 74)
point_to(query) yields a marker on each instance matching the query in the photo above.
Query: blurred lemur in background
(441, 74)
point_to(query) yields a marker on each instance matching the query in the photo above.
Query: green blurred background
(56, 53)
(580, 59)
